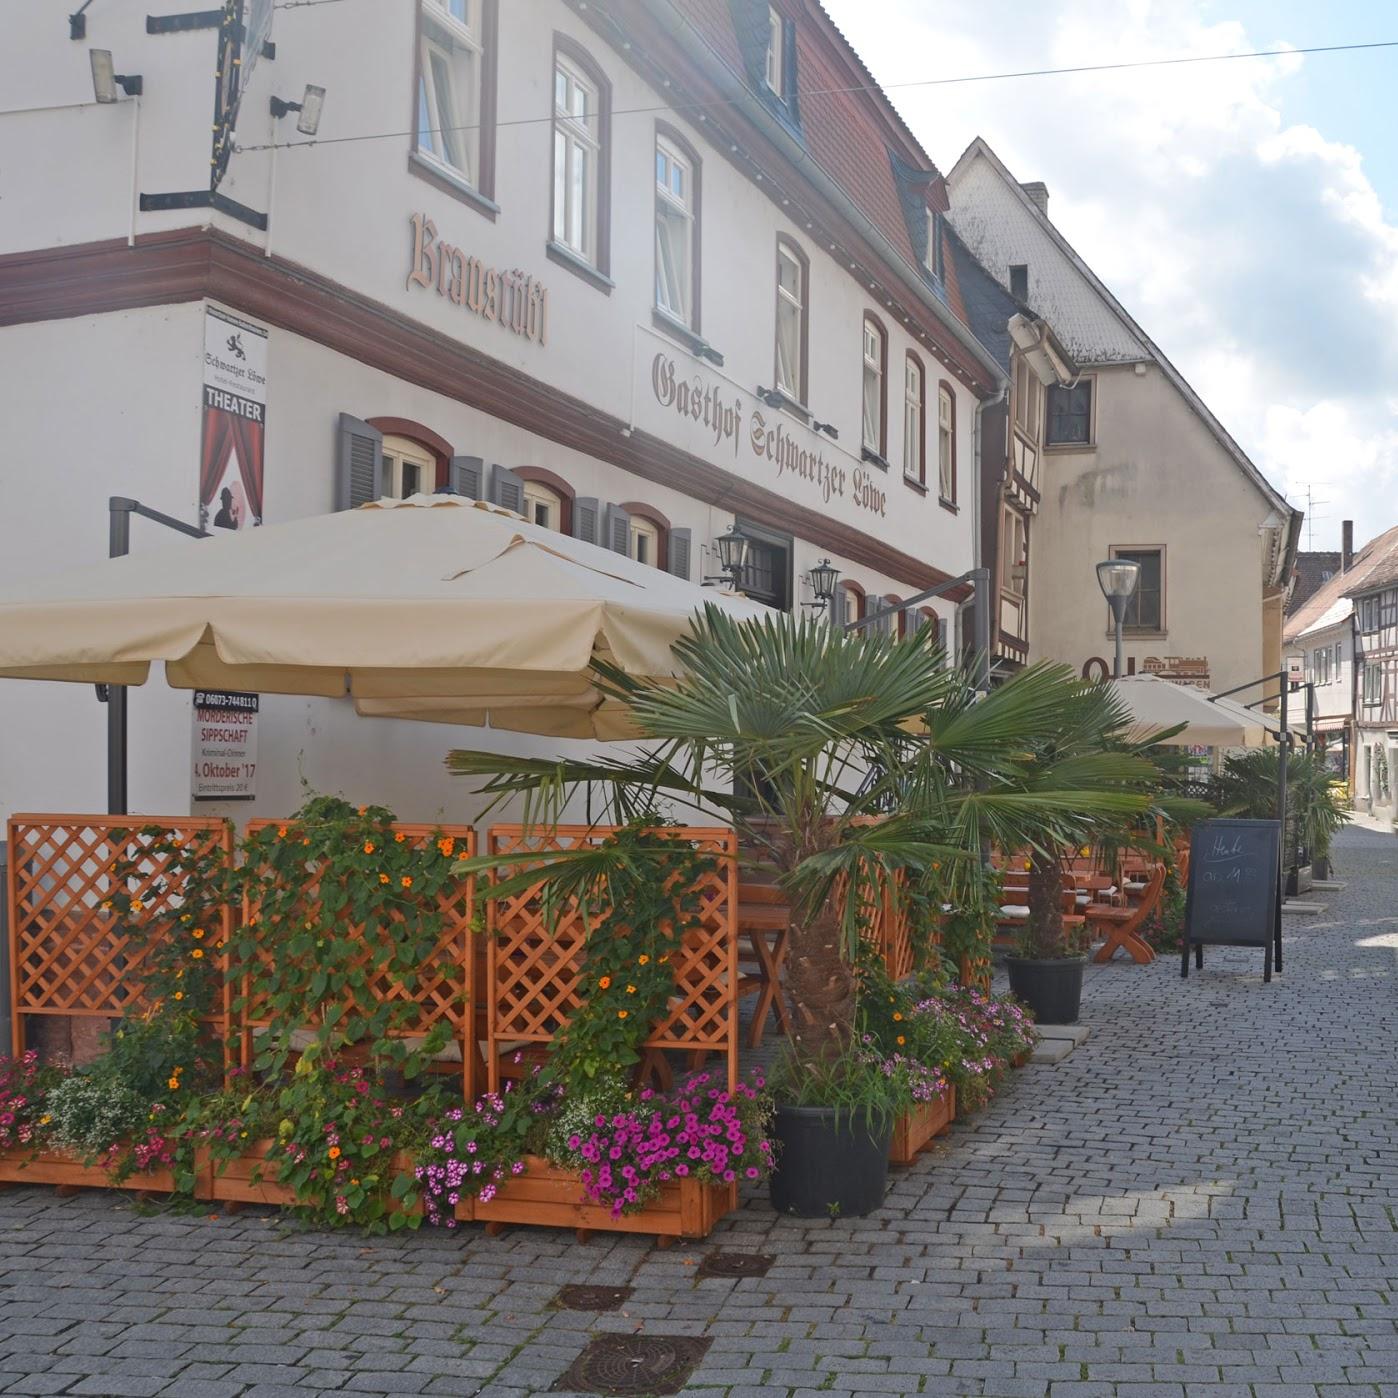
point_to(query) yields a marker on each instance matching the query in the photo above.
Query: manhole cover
(621, 1364)
(592, 1298)
(735, 1264)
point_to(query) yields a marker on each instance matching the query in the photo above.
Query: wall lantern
(732, 550)
(822, 577)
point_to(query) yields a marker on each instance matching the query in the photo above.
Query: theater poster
(233, 444)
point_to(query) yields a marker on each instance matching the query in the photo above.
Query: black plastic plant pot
(1051, 989)
(827, 1169)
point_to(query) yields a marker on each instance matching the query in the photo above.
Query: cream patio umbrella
(1209, 722)
(437, 607)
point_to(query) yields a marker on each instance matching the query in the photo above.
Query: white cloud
(1252, 248)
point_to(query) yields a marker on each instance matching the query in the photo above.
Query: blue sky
(1245, 212)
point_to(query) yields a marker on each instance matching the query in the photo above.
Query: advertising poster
(235, 420)
(225, 746)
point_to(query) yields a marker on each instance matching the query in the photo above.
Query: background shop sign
(234, 439)
(224, 765)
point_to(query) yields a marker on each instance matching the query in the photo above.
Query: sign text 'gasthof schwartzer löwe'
(720, 411)
(512, 299)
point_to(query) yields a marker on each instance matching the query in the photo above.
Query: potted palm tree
(1085, 749)
(841, 761)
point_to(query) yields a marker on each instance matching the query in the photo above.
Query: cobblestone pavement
(1200, 1202)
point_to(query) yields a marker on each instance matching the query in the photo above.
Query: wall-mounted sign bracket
(204, 199)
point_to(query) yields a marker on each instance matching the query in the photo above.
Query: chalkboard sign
(1234, 897)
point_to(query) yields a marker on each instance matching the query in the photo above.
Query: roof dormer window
(776, 52)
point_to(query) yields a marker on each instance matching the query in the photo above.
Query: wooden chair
(1121, 927)
(764, 930)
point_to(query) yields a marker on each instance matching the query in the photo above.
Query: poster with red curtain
(231, 457)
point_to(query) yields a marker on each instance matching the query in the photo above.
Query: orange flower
(307, 840)
(604, 983)
(197, 933)
(630, 989)
(197, 953)
(136, 905)
(334, 1152)
(901, 1041)
(406, 881)
(1027, 864)
(446, 844)
(179, 995)
(364, 810)
(621, 1014)
(281, 832)
(897, 1015)
(399, 837)
(383, 878)
(368, 847)
(642, 960)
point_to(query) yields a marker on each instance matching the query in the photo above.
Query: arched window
(852, 601)
(946, 444)
(875, 413)
(409, 468)
(914, 420)
(677, 225)
(894, 623)
(548, 499)
(649, 534)
(582, 139)
(793, 315)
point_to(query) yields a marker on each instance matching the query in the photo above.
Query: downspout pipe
(739, 95)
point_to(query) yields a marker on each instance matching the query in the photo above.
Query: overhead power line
(807, 93)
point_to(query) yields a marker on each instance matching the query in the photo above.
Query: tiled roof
(1312, 569)
(989, 307)
(1375, 565)
(841, 116)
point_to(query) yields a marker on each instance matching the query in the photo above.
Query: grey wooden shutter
(507, 489)
(617, 533)
(680, 542)
(358, 463)
(465, 476)
(587, 518)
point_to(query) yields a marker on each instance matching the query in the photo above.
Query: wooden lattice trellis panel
(537, 947)
(69, 955)
(443, 989)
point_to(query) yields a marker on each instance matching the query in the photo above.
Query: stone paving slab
(1202, 1202)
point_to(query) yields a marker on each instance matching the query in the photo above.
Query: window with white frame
(1373, 685)
(946, 445)
(853, 604)
(874, 344)
(676, 213)
(408, 469)
(1028, 394)
(914, 421)
(1014, 551)
(543, 506)
(791, 322)
(577, 157)
(645, 541)
(450, 84)
(776, 52)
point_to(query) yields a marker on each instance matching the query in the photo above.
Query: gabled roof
(1312, 569)
(979, 149)
(1375, 565)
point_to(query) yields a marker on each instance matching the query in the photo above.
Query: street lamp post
(1117, 577)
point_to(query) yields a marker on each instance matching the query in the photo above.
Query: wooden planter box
(553, 1198)
(58, 1167)
(250, 1179)
(914, 1129)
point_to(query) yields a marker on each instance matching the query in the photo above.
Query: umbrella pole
(119, 511)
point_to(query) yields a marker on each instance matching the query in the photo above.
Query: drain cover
(592, 1298)
(735, 1264)
(640, 1364)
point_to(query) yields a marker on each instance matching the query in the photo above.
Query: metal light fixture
(1118, 579)
(309, 107)
(731, 550)
(772, 397)
(106, 80)
(822, 577)
(828, 428)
